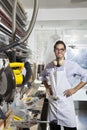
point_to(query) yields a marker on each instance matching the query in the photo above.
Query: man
(58, 77)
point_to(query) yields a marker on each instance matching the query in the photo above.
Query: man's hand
(69, 92)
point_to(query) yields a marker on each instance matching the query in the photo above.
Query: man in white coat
(58, 77)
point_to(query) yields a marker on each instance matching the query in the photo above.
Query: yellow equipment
(17, 68)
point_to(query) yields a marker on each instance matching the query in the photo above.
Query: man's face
(59, 51)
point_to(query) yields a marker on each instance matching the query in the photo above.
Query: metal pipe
(14, 20)
(32, 22)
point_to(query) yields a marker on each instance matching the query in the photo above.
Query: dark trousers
(54, 126)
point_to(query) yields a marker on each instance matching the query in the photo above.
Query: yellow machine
(17, 68)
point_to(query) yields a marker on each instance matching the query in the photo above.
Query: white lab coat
(62, 109)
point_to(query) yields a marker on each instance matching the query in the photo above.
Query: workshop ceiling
(56, 3)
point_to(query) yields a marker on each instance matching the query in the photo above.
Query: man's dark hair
(59, 42)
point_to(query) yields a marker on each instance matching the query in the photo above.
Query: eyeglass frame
(57, 49)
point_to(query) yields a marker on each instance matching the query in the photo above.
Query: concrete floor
(81, 116)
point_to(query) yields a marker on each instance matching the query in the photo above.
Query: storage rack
(6, 12)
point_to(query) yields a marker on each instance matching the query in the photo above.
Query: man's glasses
(57, 49)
